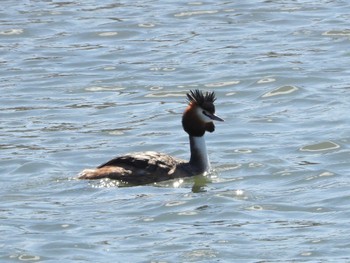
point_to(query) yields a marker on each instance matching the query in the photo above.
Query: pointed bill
(213, 117)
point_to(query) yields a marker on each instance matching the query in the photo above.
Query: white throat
(199, 156)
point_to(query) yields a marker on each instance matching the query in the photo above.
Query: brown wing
(137, 168)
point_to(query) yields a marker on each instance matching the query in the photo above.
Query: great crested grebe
(150, 167)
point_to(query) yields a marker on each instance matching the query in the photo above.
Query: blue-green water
(84, 81)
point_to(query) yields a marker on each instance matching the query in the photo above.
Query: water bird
(150, 167)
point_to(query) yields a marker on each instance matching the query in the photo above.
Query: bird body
(149, 167)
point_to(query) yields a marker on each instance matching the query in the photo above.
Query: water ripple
(85, 81)
(319, 147)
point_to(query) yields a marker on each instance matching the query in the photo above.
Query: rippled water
(83, 81)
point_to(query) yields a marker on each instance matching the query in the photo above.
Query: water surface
(82, 82)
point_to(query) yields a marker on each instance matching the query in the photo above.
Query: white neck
(199, 156)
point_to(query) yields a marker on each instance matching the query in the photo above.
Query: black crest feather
(191, 122)
(201, 99)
